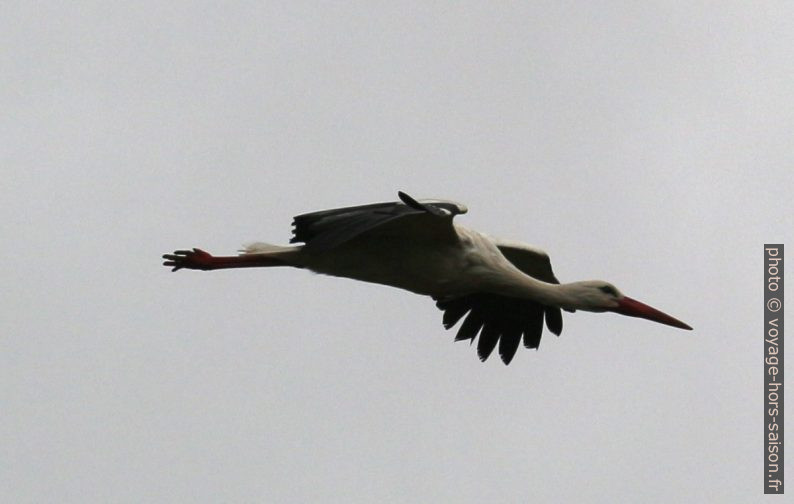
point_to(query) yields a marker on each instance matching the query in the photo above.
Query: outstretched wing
(330, 228)
(535, 263)
(501, 319)
(532, 261)
(497, 319)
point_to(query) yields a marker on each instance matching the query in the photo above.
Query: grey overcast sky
(648, 144)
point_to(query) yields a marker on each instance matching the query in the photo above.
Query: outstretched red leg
(200, 260)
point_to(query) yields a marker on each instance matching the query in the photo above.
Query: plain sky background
(647, 144)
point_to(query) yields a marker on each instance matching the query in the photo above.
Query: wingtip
(408, 200)
(507, 359)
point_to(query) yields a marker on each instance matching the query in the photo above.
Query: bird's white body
(471, 263)
(422, 266)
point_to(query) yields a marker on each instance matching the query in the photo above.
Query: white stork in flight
(507, 288)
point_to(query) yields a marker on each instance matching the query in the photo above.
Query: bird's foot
(190, 259)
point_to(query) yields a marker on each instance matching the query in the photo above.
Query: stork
(507, 288)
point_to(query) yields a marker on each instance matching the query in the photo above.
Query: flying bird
(507, 288)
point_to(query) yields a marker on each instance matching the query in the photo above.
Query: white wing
(532, 261)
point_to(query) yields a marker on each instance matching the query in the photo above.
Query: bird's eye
(608, 289)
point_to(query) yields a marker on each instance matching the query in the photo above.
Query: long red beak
(634, 308)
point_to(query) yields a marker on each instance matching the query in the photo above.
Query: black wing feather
(320, 231)
(470, 327)
(454, 311)
(330, 228)
(503, 320)
(508, 343)
(533, 330)
(340, 230)
(488, 339)
(554, 320)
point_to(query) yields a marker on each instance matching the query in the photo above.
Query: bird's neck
(526, 287)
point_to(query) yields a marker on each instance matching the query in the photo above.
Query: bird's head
(600, 296)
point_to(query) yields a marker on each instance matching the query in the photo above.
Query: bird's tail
(263, 248)
(278, 255)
